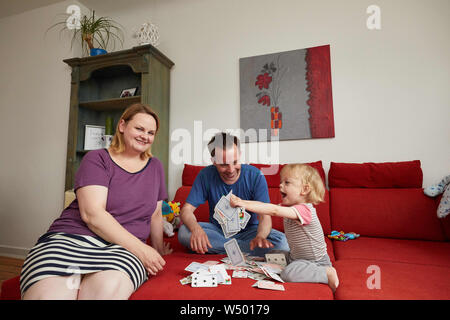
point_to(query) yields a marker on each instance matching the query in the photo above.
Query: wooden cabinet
(96, 85)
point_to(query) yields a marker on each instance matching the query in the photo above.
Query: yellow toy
(171, 215)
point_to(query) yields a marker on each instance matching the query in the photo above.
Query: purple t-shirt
(132, 197)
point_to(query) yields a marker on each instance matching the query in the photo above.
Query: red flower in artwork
(265, 100)
(263, 80)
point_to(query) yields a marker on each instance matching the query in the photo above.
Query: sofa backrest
(382, 200)
(273, 181)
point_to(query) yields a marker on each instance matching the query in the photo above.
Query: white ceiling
(12, 7)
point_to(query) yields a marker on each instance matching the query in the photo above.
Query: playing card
(271, 267)
(227, 234)
(204, 280)
(228, 196)
(219, 216)
(244, 217)
(224, 206)
(195, 266)
(210, 263)
(271, 274)
(234, 252)
(270, 285)
(226, 260)
(186, 280)
(231, 267)
(255, 258)
(256, 276)
(233, 224)
(277, 258)
(221, 272)
(240, 274)
(256, 270)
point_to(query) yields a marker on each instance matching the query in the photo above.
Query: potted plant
(95, 33)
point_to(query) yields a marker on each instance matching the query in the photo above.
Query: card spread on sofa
(213, 273)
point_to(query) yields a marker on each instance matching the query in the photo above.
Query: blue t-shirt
(208, 186)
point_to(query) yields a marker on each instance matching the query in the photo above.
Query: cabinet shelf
(96, 84)
(110, 104)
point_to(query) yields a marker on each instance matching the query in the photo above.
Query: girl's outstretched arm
(263, 208)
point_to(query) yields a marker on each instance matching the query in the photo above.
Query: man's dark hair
(222, 140)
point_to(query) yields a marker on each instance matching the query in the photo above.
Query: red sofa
(403, 251)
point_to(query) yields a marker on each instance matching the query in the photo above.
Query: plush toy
(442, 187)
(171, 215)
(341, 236)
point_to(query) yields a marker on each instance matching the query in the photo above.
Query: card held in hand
(234, 252)
(224, 206)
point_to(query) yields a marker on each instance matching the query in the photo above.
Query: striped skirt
(63, 254)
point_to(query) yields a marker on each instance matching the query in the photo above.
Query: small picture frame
(128, 92)
(93, 137)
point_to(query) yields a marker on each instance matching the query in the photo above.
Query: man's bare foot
(333, 280)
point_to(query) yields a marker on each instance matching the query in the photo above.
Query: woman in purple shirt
(97, 248)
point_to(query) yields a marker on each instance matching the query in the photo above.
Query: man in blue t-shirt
(217, 180)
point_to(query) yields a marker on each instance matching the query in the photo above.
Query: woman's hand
(151, 259)
(166, 249)
(236, 201)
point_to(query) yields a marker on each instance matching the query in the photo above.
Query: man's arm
(199, 239)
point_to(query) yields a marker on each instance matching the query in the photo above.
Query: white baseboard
(13, 252)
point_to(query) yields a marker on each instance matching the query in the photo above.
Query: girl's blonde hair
(308, 176)
(118, 144)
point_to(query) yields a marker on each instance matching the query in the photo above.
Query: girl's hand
(236, 201)
(151, 259)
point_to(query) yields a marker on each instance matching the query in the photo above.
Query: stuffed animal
(171, 215)
(168, 228)
(442, 187)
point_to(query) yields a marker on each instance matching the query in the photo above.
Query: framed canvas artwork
(288, 95)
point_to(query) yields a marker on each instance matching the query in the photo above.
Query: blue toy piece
(166, 209)
(351, 235)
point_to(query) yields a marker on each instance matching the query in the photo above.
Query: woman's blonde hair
(118, 144)
(308, 176)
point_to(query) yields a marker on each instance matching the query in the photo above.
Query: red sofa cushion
(435, 253)
(398, 281)
(166, 285)
(391, 213)
(406, 174)
(10, 289)
(202, 211)
(189, 174)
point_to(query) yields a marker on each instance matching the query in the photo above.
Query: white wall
(34, 113)
(390, 86)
